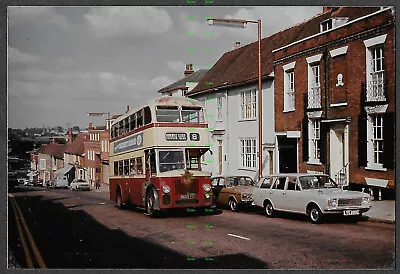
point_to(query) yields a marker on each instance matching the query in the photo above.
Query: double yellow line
(21, 224)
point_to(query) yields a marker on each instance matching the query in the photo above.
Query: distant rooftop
(181, 84)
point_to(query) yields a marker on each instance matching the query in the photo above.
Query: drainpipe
(326, 94)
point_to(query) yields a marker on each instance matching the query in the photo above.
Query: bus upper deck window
(192, 115)
(167, 114)
(147, 115)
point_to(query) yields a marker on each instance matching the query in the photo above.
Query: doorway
(287, 155)
(338, 153)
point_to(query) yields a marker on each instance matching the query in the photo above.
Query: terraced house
(328, 101)
(335, 98)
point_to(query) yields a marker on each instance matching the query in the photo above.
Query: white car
(312, 194)
(80, 184)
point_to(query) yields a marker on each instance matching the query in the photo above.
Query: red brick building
(75, 154)
(97, 153)
(335, 98)
(47, 160)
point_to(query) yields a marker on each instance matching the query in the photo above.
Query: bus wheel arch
(119, 199)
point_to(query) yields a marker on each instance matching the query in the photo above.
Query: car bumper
(341, 210)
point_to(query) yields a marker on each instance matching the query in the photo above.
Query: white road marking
(240, 237)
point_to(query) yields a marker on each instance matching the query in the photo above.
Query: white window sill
(288, 110)
(318, 163)
(338, 105)
(247, 169)
(247, 120)
(375, 168)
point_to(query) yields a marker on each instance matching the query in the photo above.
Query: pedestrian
(97, 183)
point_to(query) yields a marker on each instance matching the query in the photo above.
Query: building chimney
(236, 45)
(69, 134)
(189, 70)
(90, 126)
(127, 108)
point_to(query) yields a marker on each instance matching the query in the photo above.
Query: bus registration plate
(350, 212)
(187, 196)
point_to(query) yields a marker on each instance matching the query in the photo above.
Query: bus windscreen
(171, 160)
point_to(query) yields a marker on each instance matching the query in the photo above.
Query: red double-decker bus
(155, 156)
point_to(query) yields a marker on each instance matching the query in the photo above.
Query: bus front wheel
(150, 200)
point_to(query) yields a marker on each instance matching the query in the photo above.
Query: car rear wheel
(315, 214)
(233, 205)
(269, 210)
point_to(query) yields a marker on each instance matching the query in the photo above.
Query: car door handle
(283, 193)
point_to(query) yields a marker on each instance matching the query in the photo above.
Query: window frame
(248, 153)
(248, 104)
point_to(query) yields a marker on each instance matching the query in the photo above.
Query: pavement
(382, 211)
(103, 188)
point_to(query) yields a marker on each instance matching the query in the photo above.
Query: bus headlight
(206, 187)
(166, 189)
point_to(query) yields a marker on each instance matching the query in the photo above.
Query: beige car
(233, 191)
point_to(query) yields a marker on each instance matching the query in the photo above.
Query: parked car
(61, 182)
(80, 184)
(233, 191)
(28, 183)
(316, 195)
(49, 183)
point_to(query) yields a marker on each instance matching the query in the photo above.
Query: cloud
(38, 83)
(16, 56)
(125, 21)
(273, 18)
(48, 15)
(178, 66)
(161, 81)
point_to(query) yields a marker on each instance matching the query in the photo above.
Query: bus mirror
(211, 152)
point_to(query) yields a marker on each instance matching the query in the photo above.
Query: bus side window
(147, 115)
(140, 118)
(126, 167)
(116, 168)
(133, 121)
(120, 168)
(132, 169)
(139, 165)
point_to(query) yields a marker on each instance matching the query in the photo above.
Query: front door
(336, 151)
(287, 155)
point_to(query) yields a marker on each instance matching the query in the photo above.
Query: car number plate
(351, 212)
(186, 196)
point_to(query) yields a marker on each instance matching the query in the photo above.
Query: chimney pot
(127, 108)
(189, 70)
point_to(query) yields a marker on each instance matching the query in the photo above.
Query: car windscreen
(171, 160)
(316, 182)
(240, 181)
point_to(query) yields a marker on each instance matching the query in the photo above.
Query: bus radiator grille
(182, 188)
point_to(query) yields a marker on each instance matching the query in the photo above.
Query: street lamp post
(242, 24)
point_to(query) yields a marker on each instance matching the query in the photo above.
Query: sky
(64, 62)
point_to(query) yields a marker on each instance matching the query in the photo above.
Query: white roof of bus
(163, 101)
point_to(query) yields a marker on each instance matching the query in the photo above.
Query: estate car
(80, 184)
(234, 191)
(313, 194)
